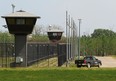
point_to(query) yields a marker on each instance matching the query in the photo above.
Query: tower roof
(20, 14)
(54, 30)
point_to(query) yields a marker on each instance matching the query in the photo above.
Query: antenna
(13, 6)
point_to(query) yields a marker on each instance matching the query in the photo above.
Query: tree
(101, 42)
(6, 37)
(39, 30)
(103, 32)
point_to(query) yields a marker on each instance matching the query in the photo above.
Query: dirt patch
(107, 61)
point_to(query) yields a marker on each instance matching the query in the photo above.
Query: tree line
(100, 42)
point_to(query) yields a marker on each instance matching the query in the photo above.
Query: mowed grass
(58, 74)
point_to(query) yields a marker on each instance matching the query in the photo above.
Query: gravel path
(107, 61)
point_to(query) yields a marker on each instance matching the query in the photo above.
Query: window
(11, 21)
(59, 34)
(20, 21)
(94, 58)
(30, 21)
(54, 34)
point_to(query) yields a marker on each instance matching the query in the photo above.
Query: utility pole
(79, 39)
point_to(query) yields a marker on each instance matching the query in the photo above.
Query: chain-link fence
(7, 54)
(36, 53)
(71, 36)
(40, 51)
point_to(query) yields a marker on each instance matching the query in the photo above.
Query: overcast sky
(94, 13)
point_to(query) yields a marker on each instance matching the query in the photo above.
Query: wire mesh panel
(7, 55)
(36, 52)
(61, 54)
(40, 51)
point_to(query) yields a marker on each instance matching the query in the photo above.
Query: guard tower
(54, 35)
(20, 24)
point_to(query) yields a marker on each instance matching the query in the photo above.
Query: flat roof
(55, 30)
(20, 14)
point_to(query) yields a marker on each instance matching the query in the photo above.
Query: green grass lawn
(58, 74)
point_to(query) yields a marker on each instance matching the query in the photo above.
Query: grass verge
(58, 74)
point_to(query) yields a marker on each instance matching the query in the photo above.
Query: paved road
(107, 61)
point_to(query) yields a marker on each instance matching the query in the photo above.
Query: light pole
(79, 39)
